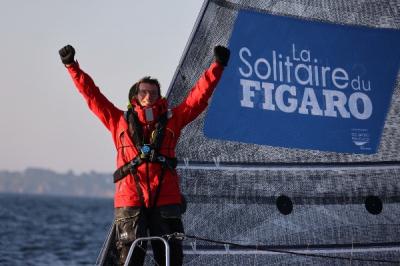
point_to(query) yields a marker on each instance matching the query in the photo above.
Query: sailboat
(296, 160)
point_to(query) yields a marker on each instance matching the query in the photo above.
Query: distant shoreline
(37, 181)
(12, 194)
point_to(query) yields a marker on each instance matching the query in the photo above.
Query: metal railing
(167, 259)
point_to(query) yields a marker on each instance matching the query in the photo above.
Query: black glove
(67, 54)
(221, 54)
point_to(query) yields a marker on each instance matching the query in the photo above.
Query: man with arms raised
(147, 195)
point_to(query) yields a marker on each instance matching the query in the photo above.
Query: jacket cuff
(75, 64)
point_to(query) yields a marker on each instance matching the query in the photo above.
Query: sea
(52, 230)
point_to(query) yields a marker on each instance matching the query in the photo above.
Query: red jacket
(113, 118)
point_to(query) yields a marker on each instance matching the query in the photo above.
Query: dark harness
(146, 152)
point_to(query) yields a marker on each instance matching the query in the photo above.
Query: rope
(180, 236)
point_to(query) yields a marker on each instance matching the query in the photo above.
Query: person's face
(147, 94)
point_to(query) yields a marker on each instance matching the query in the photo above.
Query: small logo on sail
(360, 137)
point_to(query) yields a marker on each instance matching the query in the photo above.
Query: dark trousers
(135, 222)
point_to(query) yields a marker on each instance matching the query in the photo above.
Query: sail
(316, 180)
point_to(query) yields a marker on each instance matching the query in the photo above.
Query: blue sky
(44, 121)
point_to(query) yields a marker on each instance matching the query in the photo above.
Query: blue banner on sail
(302, 84)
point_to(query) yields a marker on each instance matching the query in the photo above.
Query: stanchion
(167, 260)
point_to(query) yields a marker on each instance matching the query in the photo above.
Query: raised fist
(67, 54)
(221, 54)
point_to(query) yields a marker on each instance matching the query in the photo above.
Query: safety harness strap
(126, 169)
(134, 128)
(147, 152)
(160, 180)
(159, 132)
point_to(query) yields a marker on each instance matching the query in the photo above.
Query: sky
(45, 122)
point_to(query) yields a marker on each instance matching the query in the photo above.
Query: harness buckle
(146, 152)
(135, 162)
(161, 159)
(145, 149)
